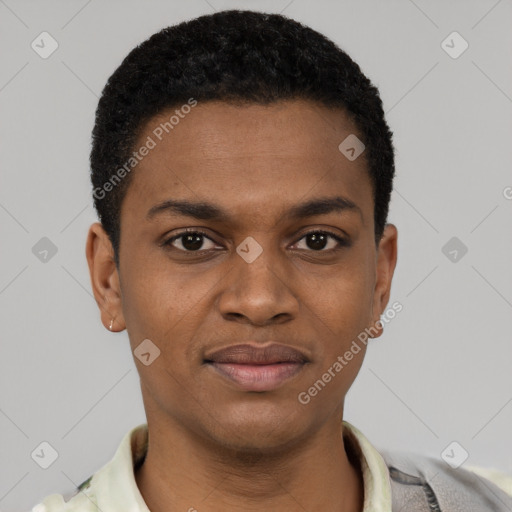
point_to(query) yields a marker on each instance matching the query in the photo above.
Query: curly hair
(240, 57)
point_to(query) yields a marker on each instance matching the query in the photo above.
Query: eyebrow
(208, 211)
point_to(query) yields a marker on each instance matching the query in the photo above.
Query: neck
(182, 471)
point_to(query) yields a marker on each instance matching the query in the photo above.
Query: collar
(113, 487)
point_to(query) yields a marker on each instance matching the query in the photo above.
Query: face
(249, 264)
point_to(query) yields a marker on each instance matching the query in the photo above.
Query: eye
(318, 241)
(190, 241)
(194, 240)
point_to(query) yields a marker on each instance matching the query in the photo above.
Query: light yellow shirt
(113, 488)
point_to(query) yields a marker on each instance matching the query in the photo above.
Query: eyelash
(168, 243)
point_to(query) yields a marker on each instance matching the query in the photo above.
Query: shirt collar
(377, 485)
(114, 487)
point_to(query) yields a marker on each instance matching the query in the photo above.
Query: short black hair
(240, 57)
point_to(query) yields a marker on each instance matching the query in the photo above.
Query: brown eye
(322, 241)
(190, 241)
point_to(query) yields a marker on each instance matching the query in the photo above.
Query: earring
(111, 324)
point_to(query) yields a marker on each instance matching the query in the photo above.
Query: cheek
(156, 308)
(345, 300)
(341, 313)
(340, 317)
(163, 306)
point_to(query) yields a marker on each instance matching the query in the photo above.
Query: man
(242, 170)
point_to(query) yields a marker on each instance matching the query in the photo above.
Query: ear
(104, 278)
(386, 262)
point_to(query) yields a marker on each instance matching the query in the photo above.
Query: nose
(259, 292)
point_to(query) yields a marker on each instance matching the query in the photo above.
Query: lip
(257, 368)
(248, 353)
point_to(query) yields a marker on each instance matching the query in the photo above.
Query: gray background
(441, 371)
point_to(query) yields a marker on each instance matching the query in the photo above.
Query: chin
(260, 432)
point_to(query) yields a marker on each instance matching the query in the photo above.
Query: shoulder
(502, 480)
(434, 482)
(82, 499)
(112, 487)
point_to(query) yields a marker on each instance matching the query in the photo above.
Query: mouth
(257, 368)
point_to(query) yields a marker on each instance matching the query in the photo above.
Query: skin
(212, 446)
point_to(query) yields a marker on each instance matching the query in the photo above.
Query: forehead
(295, 128)
(249, 158)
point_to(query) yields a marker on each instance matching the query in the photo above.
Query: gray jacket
(424, 484)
